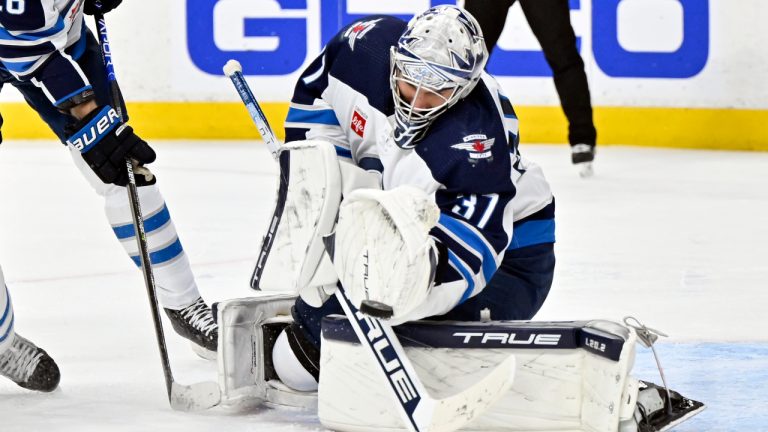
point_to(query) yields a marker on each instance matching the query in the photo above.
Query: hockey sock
(175, 282)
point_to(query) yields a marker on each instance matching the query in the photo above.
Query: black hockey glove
(92, 7)
(105, 142)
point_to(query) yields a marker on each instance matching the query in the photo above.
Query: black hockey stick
(418, 409)
(181, 397)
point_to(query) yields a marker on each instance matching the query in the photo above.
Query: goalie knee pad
(296, 360)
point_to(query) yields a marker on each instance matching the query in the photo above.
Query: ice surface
(676, 238)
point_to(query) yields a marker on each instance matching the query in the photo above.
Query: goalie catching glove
(105, 142)
(383, 253)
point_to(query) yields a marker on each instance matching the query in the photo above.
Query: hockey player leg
(21, 360)
(176, 288)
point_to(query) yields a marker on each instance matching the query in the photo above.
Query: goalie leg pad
(570, 376)
(248, 328)
(308, 199)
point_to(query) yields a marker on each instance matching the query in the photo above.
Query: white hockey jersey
(40, 41)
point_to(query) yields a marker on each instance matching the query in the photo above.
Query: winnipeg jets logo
(478, 146)
(359, 30)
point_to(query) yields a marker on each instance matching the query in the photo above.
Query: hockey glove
(92, 7)
(105, 142)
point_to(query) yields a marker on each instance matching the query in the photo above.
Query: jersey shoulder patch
(358, 31)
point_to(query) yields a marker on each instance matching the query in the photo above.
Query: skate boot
(659, 411)
(658, 408)
(582, 156)
(29, 366)
(195, 322)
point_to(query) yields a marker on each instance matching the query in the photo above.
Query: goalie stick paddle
(419, 411)
(181, 397)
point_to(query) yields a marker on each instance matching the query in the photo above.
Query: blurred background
(669, 73)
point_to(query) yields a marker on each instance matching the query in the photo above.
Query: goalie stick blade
(454, 412)
(195, 397)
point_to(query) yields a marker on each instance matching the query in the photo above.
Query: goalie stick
(419, 411)
(181, 397)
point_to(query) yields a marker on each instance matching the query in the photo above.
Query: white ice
(677, 238)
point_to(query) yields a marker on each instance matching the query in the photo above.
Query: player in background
(52, 58)
(412, 106)
(550, 21)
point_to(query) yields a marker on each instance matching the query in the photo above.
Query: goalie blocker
(570, 376)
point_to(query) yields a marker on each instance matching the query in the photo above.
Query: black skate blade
(695, 408)
(682, 409)
(376, 309)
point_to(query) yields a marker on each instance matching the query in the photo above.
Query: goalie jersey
(491, 199)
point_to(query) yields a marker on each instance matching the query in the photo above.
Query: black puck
(376, 309)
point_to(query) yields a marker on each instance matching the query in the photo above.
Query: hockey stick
(181, 397)
(420, 411)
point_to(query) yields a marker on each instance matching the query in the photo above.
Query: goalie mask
(436, 63)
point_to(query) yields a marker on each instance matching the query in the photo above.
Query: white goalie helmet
(441, 54)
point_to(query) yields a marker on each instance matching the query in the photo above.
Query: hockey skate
(582, 156)
(659, 411)
(658, 408)
(195, 322)
(29, 366)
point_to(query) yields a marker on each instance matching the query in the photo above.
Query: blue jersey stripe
(76, 92)
(78, 48)
(473, 240)
(533, 232)
(371, 164)
(33, 36)
(326, 116)
(18, 67)
(150, 224)
(342, 152)
(165, 254)
(465, 273)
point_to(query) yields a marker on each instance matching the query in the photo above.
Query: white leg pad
(241, 346)
(562, 384)
(308, 199)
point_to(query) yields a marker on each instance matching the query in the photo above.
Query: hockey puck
(376, 309)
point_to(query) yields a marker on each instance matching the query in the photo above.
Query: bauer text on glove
(105, 142)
